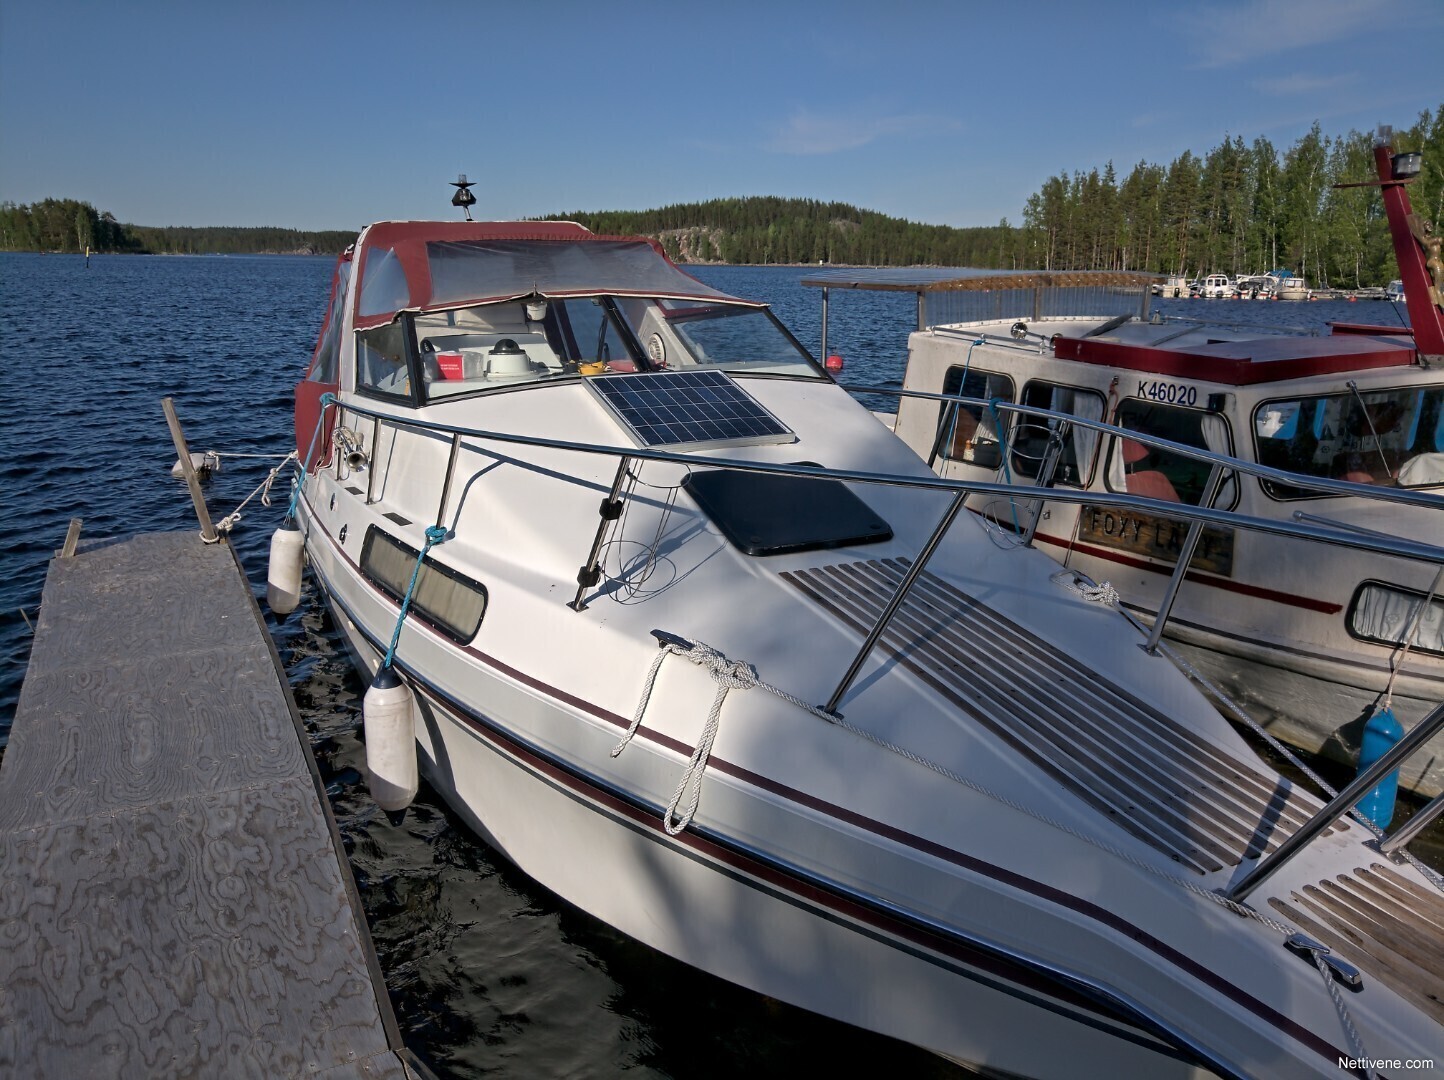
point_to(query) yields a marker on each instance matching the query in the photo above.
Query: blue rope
(326, 401)
(435, 534)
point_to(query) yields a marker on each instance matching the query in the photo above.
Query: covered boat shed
(959, 294)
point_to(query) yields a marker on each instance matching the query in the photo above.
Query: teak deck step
(1387, 926)
(1132, 763)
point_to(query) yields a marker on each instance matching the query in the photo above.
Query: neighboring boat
(1289, 286)
(1218, 287)
(1308, 641)
(796, 720)
(1256, 287)
(1176, 287)
(1394, 291)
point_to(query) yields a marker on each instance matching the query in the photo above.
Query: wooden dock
(173, 896)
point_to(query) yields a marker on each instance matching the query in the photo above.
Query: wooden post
(72, 537)
(208, 531)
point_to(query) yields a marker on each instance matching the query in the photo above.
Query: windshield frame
(571, 360)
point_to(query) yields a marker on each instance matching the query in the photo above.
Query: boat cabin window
(1139, 469)
(452, 603)
(1393, 437)
(970, 432)
(682, 333)
(383, 361)
(1029, 442)
(596, 342)
(383, 284)
(1385, 613)
(485, 347)
(325, 367)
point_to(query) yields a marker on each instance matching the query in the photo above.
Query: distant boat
(1176, 287)
(1257, 287)
(1290, 286)
(1394, 291)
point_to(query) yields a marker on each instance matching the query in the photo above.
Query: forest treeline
(69, 225)
(1239, 208)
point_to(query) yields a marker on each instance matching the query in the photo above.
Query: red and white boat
(676, 626)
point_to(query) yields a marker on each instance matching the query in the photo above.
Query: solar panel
(685, 410)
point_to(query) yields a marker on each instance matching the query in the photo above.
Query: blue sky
(331, 115)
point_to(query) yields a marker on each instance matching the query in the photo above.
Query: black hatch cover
(768, 514)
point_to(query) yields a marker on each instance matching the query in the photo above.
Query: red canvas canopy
(430, 265)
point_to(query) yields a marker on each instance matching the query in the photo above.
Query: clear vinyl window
(325, 369)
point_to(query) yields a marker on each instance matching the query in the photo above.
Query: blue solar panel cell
(686, 410)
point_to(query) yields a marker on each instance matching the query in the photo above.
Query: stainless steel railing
(1198, 517)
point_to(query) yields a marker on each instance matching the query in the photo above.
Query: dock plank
(172, 902)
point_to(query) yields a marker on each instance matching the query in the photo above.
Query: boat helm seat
(1133, 451)
(1150, 483)
(1353, 468)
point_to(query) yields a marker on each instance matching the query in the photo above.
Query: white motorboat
(1175, 287)
(1308, 641)
(676, 626)
(1290, 286)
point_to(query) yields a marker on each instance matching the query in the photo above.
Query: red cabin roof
(1254, 360)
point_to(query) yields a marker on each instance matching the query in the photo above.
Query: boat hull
(761, 924)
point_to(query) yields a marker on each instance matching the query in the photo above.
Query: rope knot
(732, 674)
(1074, 582)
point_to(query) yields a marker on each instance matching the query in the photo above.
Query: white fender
(283, 575)
(390, 742)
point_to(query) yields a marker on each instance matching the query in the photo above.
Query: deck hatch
(686, 410)
(767, 514)
(1136, 766)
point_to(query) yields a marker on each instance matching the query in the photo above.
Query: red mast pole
(1417, 252)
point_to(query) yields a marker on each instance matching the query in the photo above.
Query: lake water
(489, 974)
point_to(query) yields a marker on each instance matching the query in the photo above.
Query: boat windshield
(493, 346)
(1393, 437)
(681, 333)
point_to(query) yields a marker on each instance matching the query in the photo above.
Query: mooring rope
(263, 489)
(1414, 623)
(435, 534)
